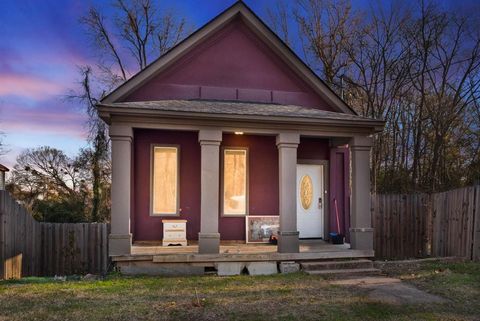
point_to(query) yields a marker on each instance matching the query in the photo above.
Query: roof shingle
(237, 108)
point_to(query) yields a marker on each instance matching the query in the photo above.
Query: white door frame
(326, 186)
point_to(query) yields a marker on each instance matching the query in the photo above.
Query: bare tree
(279, 18)
(415, 67)
(141, 31)
(102, 39)
(326, 29)
(138, 31)
(51, 185)
(456, 58)
(378, 76)
(170, 31)
(45, 171)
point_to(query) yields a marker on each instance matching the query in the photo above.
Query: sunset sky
(41, 45)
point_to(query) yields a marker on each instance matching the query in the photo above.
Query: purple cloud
(28, 86)
(50, 116)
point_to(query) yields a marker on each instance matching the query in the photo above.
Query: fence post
(2, 234)
(476, 227)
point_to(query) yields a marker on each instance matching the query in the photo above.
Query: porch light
(238, 133)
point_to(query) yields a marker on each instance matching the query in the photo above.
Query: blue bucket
(336, 238)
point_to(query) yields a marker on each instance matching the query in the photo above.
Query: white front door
(310, 200)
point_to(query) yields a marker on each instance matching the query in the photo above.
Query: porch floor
(239, 252)
(306, 246)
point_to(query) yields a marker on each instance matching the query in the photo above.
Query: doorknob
(320, 203)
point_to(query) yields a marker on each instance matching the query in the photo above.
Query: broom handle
(336, 212)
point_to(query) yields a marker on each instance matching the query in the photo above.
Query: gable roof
(217, 23)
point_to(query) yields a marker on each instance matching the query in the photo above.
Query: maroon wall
(146, 227)
(233, 64)
(263, 182)
(313, 148)
(340, 190)
(262, 178)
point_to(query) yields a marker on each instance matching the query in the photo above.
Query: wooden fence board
(476, 226)
(2, 235)
(420, 225)
(104, 248)
(32, 248)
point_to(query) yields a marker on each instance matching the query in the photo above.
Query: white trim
(313, 130)
(222, 177)
(152, 181)
(157, 116)
(312, 211)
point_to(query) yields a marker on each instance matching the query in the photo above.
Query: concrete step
(337, 264)
(346, 272)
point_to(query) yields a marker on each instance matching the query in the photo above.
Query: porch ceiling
(236, 110)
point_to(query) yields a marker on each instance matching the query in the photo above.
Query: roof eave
(107, 112)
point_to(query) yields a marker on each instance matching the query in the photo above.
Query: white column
(287, 144)
(120, 239)
(209, 237)
(361, 231)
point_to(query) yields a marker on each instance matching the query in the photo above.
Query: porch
(269, 186)
(152, 258)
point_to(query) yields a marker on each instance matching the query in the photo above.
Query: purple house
(230, 126)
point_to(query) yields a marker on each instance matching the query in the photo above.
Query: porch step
(340, 268)
(337, 265)
(345, 272)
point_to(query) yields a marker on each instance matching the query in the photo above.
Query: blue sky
(41, 45)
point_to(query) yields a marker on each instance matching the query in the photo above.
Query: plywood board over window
(235, 170)
(164, 180)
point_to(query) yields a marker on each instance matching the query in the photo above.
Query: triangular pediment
(234, 57)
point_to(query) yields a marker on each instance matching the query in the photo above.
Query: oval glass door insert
(306, 191)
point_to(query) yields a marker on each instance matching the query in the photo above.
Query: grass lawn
(279, 297)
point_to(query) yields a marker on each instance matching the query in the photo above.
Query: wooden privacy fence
(32, 248)
(421, 225)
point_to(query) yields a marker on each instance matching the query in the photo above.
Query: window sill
(164, 215)
(234, 215)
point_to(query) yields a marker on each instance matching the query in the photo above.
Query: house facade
(231, 124)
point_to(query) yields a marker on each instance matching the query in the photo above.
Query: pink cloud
(9, 159)
(28, 86)
(49, 116)
(77, 131)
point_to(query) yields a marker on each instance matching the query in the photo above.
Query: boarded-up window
(165, 180)
(235, 182)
